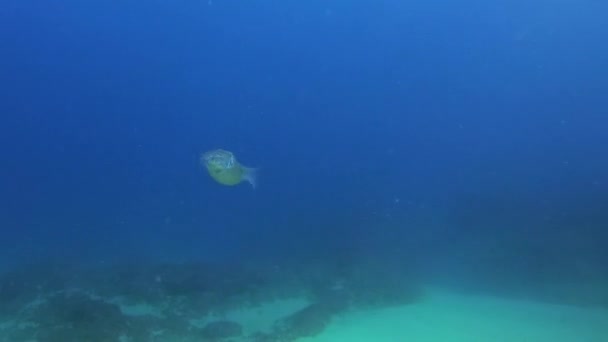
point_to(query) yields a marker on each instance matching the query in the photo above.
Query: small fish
(226, 170)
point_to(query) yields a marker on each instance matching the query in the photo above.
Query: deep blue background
(470, 133)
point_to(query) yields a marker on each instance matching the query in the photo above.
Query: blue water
(466, 139)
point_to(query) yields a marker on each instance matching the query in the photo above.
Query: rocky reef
(160, 302)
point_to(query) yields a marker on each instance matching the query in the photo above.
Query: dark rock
(307, 322)
(221, 329)
(262, 337)
(78, 317)
(26, 283)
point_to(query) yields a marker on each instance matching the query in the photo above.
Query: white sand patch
(136, 309)
(8, 324)
(261, 317)
(446, 317)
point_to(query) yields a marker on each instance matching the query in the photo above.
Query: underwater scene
(303, 171)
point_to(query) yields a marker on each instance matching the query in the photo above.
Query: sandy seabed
(197, 303)
(451, 317)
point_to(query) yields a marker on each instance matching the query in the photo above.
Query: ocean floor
(445, 317)
(451, 317)
(442, 317)
(203, 303)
